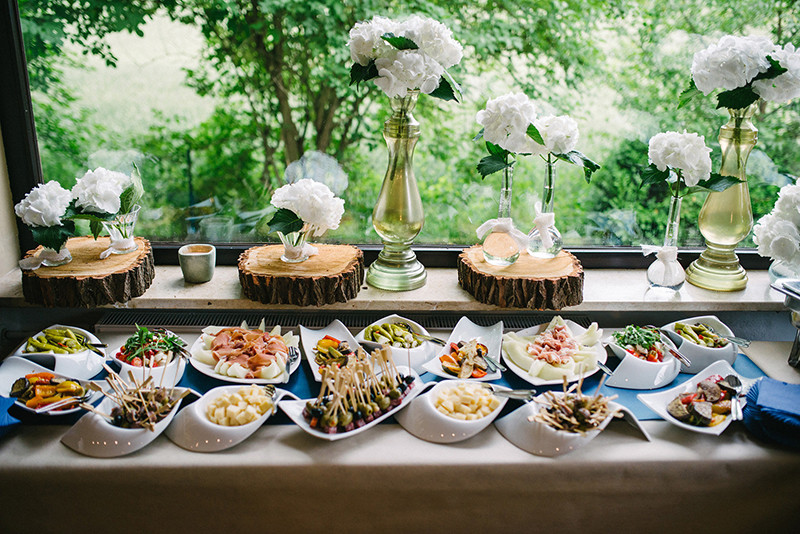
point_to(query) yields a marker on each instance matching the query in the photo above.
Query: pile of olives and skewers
(354, 394)
(61, 341)
(393, 334)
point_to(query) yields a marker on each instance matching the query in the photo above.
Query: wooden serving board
(87, 280)
(530, 282)
(333, 275)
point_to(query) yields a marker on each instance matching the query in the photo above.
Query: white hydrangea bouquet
(305, 207)
(683, 161)
(512, 128)
(777, 234)
(745, 69)
(405, 55)
(50, 211)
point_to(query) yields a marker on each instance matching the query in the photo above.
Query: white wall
(9, 242)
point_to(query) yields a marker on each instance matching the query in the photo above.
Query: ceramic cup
(197, 262)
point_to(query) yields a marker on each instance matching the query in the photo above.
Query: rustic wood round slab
(333, 275)
(87, 280)
(530, 282)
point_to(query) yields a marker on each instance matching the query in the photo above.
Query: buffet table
(386, 480)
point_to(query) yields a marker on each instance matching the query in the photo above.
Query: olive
(384, 402)
(408, 379)
(346, 419)
(394, 394)
(119, 420)
(402, 386)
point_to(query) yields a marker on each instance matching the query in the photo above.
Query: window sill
(604, 290)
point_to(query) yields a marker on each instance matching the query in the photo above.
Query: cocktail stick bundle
(573, 411)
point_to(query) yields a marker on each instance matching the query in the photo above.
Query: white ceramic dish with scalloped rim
(577, 330)
(81, 365)
(14, 368)
(466, 330)
(309, 339)
(701, 357)
(424, 421)
(415, 357)
(95, 436)
(294, 409)
(635, 373)
(543, 440)
(659, 401)
(193, 431)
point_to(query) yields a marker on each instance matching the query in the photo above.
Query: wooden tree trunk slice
(333, 275)
(530, 282)
(88, 281)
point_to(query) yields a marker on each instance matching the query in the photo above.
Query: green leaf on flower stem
(716, 183)
(285, 221)
(400, 43)
(53, 236)
(133, 193)
(74, 212)
(651, 175)
(95, 227)
(497, 150)
(478, 136)
(775, 69)
(689, 94)
(577, 158)
(362, 73)
(448, 89)
(738, 98)
(493, 163)
(534, 134)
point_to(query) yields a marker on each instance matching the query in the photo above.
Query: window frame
(25, 172)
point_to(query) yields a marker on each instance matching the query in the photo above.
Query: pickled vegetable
(60, 341)
(397, 335)
(701, 334)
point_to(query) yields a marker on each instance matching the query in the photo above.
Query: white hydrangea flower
(313, 202)
(685, 151)
(434, 39)
(402, 71)
(44, 205)
(505, 123)
(786, 86)
(731, 63)
(366, 41)
(99, 190)
(788, 204)
(560, 134)
(778, 239)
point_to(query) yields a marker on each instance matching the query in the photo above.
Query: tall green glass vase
(727, 217)
(398, 215)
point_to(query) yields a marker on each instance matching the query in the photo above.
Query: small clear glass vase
(120, 232)
(294, 246)
(499, 246)
(666, 272)
(544, 240)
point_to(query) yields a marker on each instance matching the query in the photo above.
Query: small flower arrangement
(403, 56)
(777, 234)
(306, 206)
(746, 69)
(683, 161)
(511, 128)
(44, 211)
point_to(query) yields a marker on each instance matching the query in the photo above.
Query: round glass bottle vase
(666, 272)
(727, 217)
(500, 248)
(398, 216)
(548, 246)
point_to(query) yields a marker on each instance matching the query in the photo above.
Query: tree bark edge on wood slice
(87, 281)
(335, 274)
(532, 283)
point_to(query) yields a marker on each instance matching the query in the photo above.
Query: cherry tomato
(136, 362)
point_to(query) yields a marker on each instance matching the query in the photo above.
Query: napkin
(5, 419)
(772, 412)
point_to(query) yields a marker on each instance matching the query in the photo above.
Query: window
(190, 95)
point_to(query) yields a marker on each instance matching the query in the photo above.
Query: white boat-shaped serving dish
(423, 420)
(193, 431)
(415, 357)
(81, 365)
(700, 356)
(294, 409)
(94, 436)
(597, 349)
(466, 330)
(309, 338)
(14, 368)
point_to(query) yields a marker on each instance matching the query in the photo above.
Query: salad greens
(636, 335)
